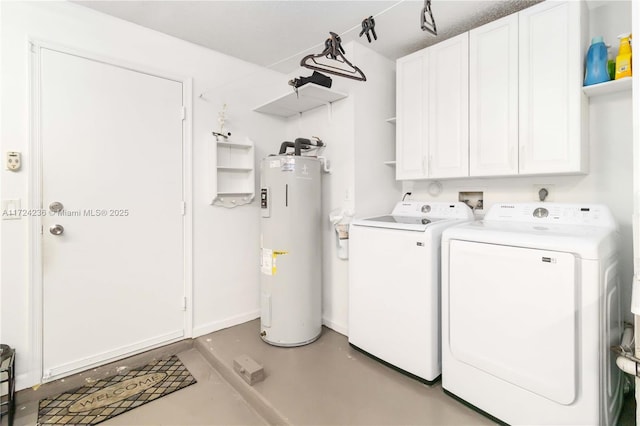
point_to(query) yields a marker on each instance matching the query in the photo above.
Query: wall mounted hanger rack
(336, 63)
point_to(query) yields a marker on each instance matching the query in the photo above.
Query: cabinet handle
(424, 163)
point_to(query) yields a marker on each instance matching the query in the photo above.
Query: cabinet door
(552, 104)
(493, 98)
(411, 114)
(448, 114)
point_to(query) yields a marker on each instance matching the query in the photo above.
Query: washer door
(512, 314)
(393, 298)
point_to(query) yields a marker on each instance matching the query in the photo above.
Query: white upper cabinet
(448, 108)
(411, 116)
(504, 99)
(553, 107)
(493, 98)
(432, 112)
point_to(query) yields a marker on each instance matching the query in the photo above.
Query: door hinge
(183, 207)
(183, 113)
(184, 303)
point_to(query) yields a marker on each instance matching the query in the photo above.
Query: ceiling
(277, 33)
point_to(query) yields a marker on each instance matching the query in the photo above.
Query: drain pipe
(626, 360)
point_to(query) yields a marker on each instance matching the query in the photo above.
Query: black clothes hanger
(369, 25)
(337, 64)
(428, 24)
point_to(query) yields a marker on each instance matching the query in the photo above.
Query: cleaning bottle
(611, 64)
(623, 60)
(596, 71)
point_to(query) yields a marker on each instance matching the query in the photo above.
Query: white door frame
(35, 184)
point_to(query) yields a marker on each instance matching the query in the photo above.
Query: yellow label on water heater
(276, 253)
(268, 260)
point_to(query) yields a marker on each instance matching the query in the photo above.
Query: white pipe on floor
(627, 362)
(628, 366)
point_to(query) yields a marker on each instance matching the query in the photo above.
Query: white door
(493, 98)
(112, 156)
(411, 116)
(448, 115)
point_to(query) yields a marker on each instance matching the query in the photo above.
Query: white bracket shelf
(309, 96)
(613, 86)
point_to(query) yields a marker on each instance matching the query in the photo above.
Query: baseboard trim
(338, 328)
(201, 330)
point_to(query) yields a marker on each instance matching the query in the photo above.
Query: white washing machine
(394, 285)
(530, 307)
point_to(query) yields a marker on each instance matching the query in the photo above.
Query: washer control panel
(440, 210)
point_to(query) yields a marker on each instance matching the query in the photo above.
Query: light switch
(14, 161)
(11, 209)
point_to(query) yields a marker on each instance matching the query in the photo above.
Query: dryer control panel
(560, 213)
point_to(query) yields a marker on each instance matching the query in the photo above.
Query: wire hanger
(338, 64)
(428, 24)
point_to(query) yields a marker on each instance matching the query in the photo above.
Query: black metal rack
(7, 375)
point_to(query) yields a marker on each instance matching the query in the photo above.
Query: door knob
(56, 229)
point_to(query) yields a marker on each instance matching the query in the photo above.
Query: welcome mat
(95, 403)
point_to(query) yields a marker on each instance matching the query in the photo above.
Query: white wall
(225, 273)
(358, 141)
(636, 188)
(610, 178)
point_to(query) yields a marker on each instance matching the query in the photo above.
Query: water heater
(291, 250)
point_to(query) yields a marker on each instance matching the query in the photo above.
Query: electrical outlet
(550, 188)
(11, 209)
(14, 161)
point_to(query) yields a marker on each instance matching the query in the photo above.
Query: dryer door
(512, 314)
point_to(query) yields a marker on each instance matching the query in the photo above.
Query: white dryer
(394, 285)
(530, 307)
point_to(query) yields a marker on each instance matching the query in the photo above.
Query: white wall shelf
(232, 168)
(391, 120)
(613, 86)
(309, 96)
(226, 143)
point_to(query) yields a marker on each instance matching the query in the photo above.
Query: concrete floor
(324, 383)
(329, 383)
